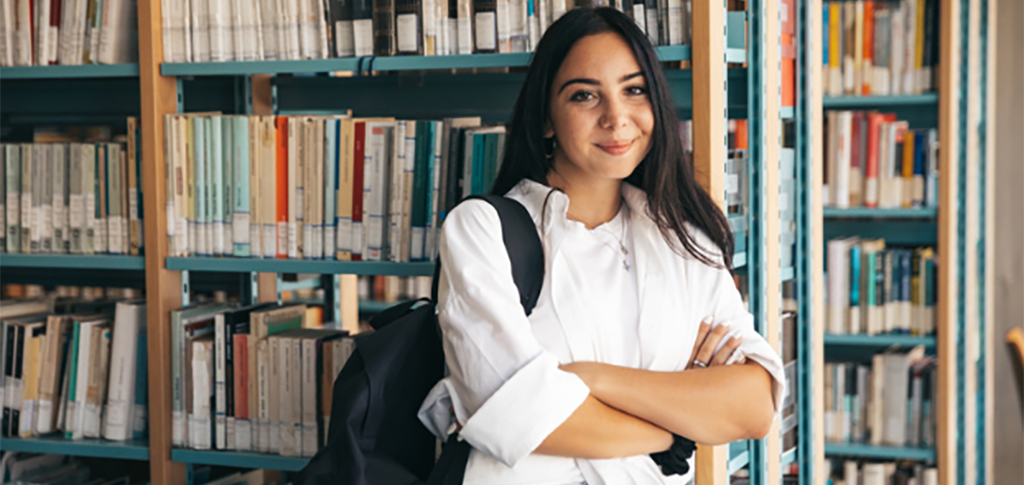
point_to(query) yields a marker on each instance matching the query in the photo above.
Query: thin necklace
(621, 238)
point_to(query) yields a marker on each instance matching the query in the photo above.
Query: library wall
(1009, 238)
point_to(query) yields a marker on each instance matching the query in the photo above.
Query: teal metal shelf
(879, 452)
(789, 457)
(246, 265)
(395, 63)
(865, 212)
(72, 261)
(880, 101)
(878, 341)
(239, 460)
(94, 448)
(70, 72)
(739, 457)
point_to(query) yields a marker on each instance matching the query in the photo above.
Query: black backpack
(375, 436)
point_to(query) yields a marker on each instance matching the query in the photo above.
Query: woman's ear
(549, 132)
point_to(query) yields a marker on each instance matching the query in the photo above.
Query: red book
(282, 186)
(358, 152)
(241, 371)
(871, 187)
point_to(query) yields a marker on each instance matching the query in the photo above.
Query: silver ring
(700, 364)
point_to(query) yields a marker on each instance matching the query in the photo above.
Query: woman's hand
(707, 341)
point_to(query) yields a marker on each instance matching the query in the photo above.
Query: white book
(262, 404)
(220, 383)
(61, 234)
(118, 43)
(42, 32)
(202, 381)
(396, 188)
(272, 390)
(310, 383)
(120, 415)
(293, 393)
(220, 35)
(894, 394)
(23, 33)
(98, 374)
(200, 30)
(239, 50)
(269, 28)
(7, 33)
(838, 285)
(841, 181)
(282, 385)
(76, 407)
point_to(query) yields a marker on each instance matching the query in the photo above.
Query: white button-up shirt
(504, 382)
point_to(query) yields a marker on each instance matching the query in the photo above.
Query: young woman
(614, 360)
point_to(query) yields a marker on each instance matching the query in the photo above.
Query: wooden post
(163, 288)
(949, 88)
(971, 236)
(709, 150)
(772, 125)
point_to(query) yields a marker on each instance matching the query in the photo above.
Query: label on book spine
(363, 38)
(408, 32)
(270, 240)
(243, 435)
(485, 31)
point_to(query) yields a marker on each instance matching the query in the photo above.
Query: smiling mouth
(616, 149)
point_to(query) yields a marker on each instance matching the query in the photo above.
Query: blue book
(824, 33)
(920, 166)
(141, 389)
(419, 209)
(331, 162)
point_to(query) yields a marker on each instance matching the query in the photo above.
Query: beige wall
(1008, 262)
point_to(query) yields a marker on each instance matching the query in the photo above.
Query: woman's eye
(581, 96)
(636, 91)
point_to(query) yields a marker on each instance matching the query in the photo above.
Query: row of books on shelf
(891, 401)
(321, 187)
(879, 47)
(74, 366)
(876, 290)
(874, 160)
(72, 198)
(253, 378)
(393, 289)
(68, 32)
(38, 469)
(256, 30)
(852, 472)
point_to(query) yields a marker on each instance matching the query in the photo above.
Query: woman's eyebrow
(594, 82)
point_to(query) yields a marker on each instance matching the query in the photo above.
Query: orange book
(871, 181)
(282, 186)
(869, 47)
(788, 53)
(741, 137)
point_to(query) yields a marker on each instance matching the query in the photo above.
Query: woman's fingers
(723, 354)
(707, 349)
(702, 333)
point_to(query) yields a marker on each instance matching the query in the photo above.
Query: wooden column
(949, 89)
(971, 236)
(772, 126)
(709, 150)
(817, 318)
(163, 287)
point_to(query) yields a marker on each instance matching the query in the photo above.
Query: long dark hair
(666, 174)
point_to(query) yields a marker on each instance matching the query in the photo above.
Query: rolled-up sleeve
(507, 390)
(727, 307)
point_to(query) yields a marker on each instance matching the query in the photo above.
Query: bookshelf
(957, 227)
(712, 91)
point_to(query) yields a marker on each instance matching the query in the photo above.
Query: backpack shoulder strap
(522, 242)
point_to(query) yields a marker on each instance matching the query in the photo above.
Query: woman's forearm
(598, 431)
(711, 406)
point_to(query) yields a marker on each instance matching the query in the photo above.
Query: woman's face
(601, 113)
